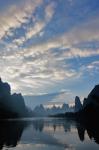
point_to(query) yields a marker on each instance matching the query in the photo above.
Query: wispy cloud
(32, 59)
(63, 97)
(40, 25)
(15, 15)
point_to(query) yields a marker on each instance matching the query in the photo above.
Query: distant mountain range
(40, 111)
(34, 100)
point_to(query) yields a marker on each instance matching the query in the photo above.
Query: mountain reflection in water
(60, 134)
(10, 133)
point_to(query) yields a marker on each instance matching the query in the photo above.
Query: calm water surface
(46, 134)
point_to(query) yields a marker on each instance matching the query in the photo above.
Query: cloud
(15, 15)
(65, 96)
(35, 30)
(93, 65)
(87, 31)
(18, 41)
(41, 24)
(75, 52)
(35, 66)
(33, 69)
(92, 68)
(39, 70)
(49, 11)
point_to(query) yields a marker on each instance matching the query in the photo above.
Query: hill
(11, 105)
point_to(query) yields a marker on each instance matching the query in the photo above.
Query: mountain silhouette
(11, 105)
(78, 105)
(91, 105)
(89, 111)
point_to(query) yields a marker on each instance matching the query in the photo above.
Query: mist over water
(46, 134)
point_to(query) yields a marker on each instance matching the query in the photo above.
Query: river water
(46, 134)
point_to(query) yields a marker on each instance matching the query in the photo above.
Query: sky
(50, 46)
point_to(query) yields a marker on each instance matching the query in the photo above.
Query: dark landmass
(11, 105)
(87, 118)
(11, 132)
(89, 111)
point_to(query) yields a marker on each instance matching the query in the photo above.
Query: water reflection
(81, 131)
(92, 128)
(43, 132)
(10, 133)
(53, 124)
(50, 132)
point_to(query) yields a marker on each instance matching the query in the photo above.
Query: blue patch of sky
(39, 12)
(78, 86)
(58, 51)
(82, 61)
(5, 4)
(87, 45)
(67, 16)
(66, 84)
(2, 49)
(16, 34)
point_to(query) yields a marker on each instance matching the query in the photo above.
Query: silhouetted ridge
(78, 105)
(93, 97)
(89, 111)
(5, 89)
(91, 103)
(11, 105)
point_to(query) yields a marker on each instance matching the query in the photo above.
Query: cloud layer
(46, 47)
